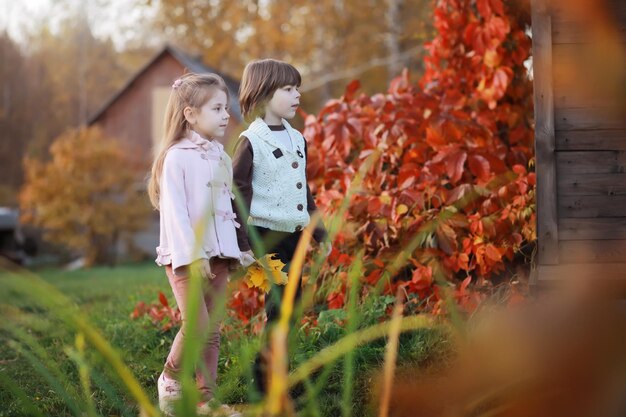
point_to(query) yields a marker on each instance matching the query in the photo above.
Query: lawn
(41, 355)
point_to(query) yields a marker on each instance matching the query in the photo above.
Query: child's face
(210, 120)
(284, 102)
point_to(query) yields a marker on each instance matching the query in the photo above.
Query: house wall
(581, 142)
(129, 118)
(136, 117)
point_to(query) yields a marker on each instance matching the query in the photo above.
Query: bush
(452, 182)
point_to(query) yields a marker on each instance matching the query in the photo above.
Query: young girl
(270, 172)
(191, 186)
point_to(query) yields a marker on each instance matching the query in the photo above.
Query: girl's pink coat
(197, 219)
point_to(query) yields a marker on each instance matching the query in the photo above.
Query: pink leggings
(213, 289)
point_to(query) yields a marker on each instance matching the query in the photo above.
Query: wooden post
(547, 222)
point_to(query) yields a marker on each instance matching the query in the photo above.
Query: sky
(116, 19)
(16, 17)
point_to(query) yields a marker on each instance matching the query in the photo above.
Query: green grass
(106, 296)
(42, 365)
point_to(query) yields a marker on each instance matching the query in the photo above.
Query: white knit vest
(279, 188)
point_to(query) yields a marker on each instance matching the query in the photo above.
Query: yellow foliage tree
(86, 197)
(330, 41)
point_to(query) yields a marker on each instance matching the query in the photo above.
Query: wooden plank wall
(590, 150)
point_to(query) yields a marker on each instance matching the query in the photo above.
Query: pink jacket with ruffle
(197, 220)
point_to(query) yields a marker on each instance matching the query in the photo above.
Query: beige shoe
(170, 391)
(214, 409)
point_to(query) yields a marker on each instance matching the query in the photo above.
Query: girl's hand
(203, 268)
(247, 258)
(326, 248)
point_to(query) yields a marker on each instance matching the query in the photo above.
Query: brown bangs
(259, 82)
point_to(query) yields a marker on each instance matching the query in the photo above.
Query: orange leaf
(493, 253)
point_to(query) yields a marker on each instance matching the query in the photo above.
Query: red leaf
(335, 300)
(163, 299)
(500, 82)
(446, 238)
(465, 284)
(434, 137)
(479, 166)
(454, 166)
(469, 33)
(139, 310)
(344, 259)
(422, 277)
(373, 277)
(483, 8)
(519, 169)
(374, 207)
(497, 6)
(408, 174)
(458, 193)
(452, 132)
(351, 89)
(463, 262)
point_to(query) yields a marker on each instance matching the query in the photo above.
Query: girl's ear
(190, 115)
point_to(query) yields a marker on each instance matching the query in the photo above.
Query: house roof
(191, 64)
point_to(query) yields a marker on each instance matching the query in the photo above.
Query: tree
(86, 197)
(55, 80)
(327, 40)
(14, 112)
(78, 71)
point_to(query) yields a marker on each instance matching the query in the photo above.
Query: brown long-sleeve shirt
(242, 179)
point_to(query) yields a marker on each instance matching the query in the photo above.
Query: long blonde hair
(190, 90)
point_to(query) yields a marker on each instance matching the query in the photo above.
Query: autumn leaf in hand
(256, 277)
(259, 273)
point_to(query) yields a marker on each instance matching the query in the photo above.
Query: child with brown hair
(270, 172)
